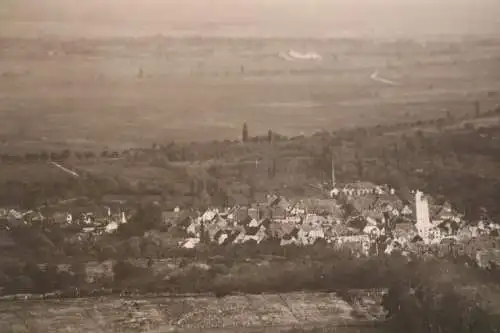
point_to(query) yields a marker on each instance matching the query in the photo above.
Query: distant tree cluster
(44, 156)
(244, 134)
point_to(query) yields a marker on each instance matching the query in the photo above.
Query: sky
(257, 18)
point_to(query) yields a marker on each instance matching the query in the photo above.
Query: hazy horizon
(249, 18)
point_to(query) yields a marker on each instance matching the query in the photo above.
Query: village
(368, 218)
(373, 219)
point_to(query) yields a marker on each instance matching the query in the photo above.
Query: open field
(125, 93)
(191, 314)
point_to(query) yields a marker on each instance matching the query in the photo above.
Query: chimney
(333, 173)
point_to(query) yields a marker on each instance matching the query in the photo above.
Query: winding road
(376, 77)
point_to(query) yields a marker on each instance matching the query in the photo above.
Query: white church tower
(334, 181)
(422, 206)
(424, 225)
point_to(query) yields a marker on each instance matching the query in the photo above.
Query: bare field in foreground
(124, 93)
(190, 314)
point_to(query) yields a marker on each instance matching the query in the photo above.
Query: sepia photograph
(250, 166)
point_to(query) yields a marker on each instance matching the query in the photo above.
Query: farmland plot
(184, 314)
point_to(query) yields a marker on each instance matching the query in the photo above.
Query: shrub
(424, 303)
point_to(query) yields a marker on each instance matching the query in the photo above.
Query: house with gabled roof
(209, 215)
(245, 221)
(308, 235)
(405, 230)
(252, 227)
(185, 220)
(265, 212)
(253, 213)
(278, 213)
(298, 208)
(190, 243)
(35, 217)
(272, 199)
(219, 237)
(290, 237)
(449, 227)
(212, 230)
(406, 211)
(168, 217)
(359, 243)
(241, 215)
(253, 224)
(14, 214)
(278, 230)
(440, 214)
(232, 235)
(356, 224)
(289, 241)
(221, 222)
(282, 202)
(193, 229)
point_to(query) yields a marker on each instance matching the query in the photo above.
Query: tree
(134, 247)
(30, 157)
(29, 199)
(6, 157)
(44, 281)
(54, 156)
(251, 191)
(123, 270)
(194, 186)
(477, 108)
(65, 154)
(272, 169)
(44, 156)
(89, 154)
(270, 136)
(204, 198)
(360, 166)
(323, 160)
(244, 135)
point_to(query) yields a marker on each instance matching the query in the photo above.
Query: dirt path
(68, 171)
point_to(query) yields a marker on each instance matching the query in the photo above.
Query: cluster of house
(370, 218)
(303, 222)
(12, 217)
(361, 188)
(90, 222)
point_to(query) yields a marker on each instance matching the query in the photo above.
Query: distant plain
(121, 93)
